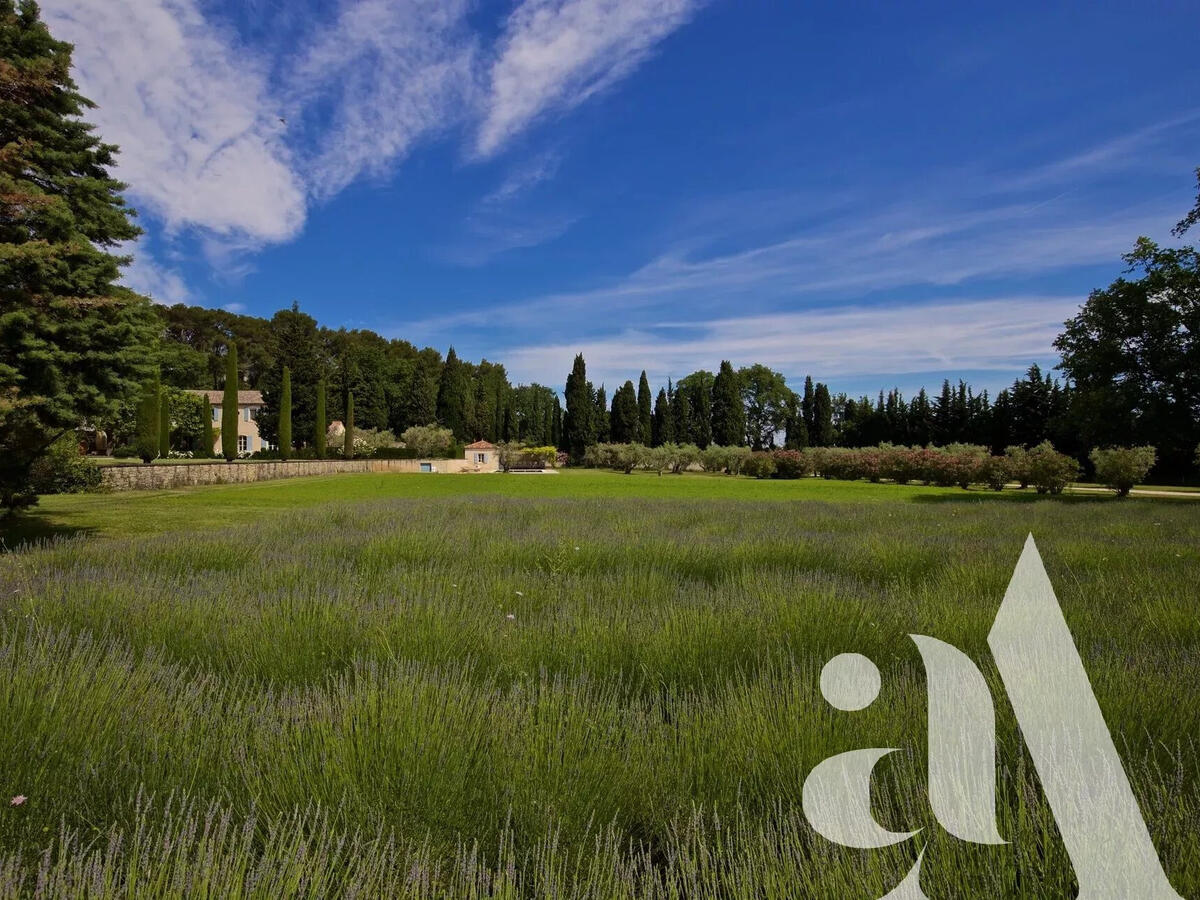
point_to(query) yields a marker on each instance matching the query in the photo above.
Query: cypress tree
(682, 418)
(662, 431)
(285, 415)
(146, 441)
(603, 425)
(74, 344)
(319, 425)
(206, 442)
(578, 423)
(348, 441)
(624, 423)
(452, 399)
(822, 417)
(556, 424)
(644, 412)
(701, 402)
(229, 406)
(807, 411)
(164, 426)
(728, 413)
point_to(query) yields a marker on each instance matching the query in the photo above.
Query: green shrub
(62, 469)
(995, 472)
(1050, 471)
(1018, 464)
(759, 465)
(1120, 468)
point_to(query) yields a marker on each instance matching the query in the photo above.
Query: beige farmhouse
(249, 404)
(483, 455)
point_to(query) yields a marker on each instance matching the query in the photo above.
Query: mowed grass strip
(572, 686)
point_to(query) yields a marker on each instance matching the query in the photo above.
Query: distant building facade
(483, 455)
(249, 404)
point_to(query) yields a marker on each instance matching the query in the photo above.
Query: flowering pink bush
(790, 464)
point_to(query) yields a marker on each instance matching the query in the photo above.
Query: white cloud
(557, 53)
(200, 140)
(524, 177)
(1000, 334)
(906, 246)
(160, 283)
(393, 71)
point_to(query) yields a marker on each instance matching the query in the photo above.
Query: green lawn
(143, 512)
(579, 685)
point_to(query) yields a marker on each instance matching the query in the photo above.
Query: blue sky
(875, 194)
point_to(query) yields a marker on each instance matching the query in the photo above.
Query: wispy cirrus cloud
(555, 54)
(386, 75)
(994, 333)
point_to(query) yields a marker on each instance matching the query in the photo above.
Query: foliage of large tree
(767, 401)
(696, 424)
(1133, 353)
(73, 344)
(295, 344)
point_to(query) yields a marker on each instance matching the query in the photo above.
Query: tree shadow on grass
(30, 529)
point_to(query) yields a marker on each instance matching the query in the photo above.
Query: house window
(216, 412)
(246, 414)
(480, 457)
(243, 443)
(426, 467)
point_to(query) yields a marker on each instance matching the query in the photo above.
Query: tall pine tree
(73, 344)
(348, 437)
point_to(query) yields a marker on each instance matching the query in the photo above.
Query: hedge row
(1043, 467)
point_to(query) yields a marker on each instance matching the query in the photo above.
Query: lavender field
(480, 692)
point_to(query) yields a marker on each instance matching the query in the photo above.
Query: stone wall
(167, 476)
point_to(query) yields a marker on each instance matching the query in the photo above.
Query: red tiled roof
(480, 445)
(245, 398)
